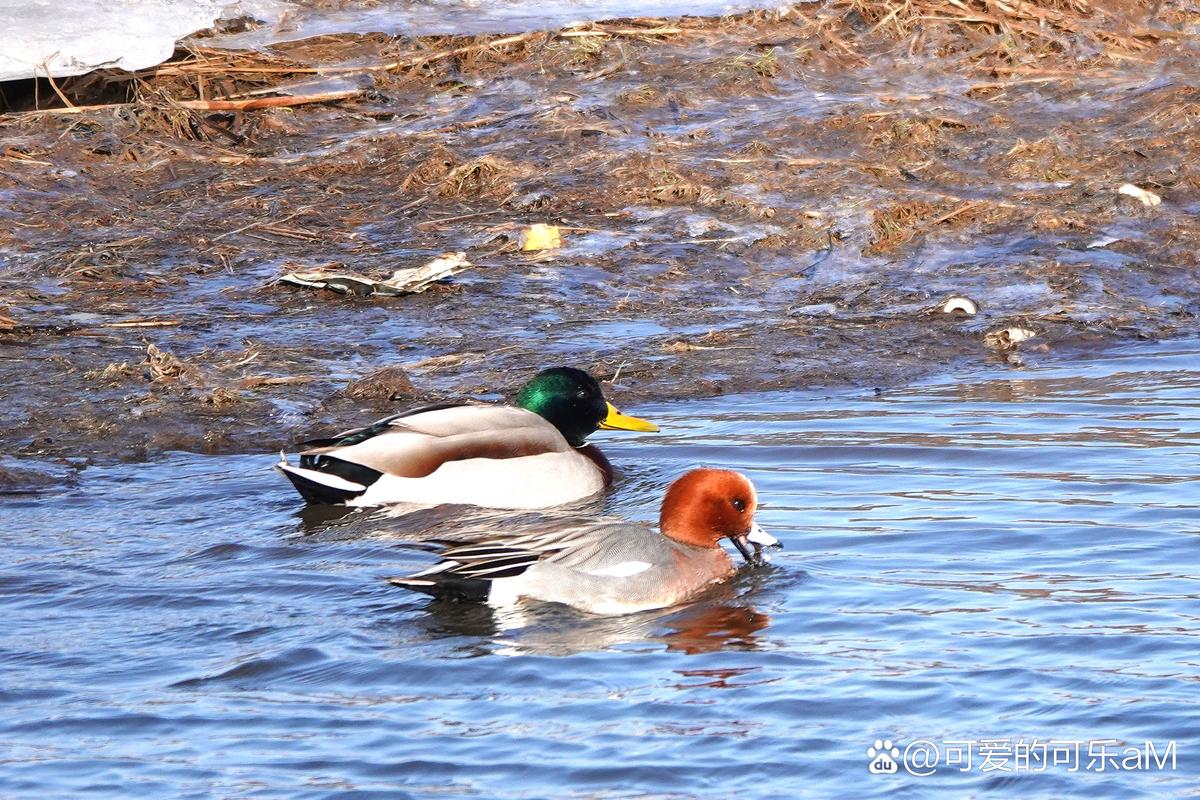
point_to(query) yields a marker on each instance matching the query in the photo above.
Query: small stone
(1148, 199)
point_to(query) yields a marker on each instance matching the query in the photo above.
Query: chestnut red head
(705, 506)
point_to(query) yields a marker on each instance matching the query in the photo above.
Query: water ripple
(1005, 554)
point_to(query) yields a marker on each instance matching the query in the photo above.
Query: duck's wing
(357, 435)
(416, 444)
(466, 571)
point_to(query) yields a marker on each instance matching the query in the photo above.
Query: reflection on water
(705, 628)
(708, 625)
(1006, 554)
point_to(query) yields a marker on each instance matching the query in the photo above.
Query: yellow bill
(616, 421)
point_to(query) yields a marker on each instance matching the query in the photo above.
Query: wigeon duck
(531, 455)
(613, 568)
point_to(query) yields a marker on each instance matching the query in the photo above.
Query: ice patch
(467, 17)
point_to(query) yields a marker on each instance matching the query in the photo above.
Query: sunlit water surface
(1003, 554)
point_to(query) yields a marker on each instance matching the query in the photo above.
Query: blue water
(1004, 554)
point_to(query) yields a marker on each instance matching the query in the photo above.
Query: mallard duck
(615, 568)
(530, 455)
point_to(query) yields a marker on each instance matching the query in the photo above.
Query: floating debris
(403, 281)
(1149, 199)
(164, 366)
(961, 306)
(257, 381)
(1008, 338)
(682, 346)
(1103, 241)
(540, 236)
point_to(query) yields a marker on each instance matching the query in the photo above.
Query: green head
(571, 400)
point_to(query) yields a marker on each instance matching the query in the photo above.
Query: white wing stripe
(622, 570)
(324, 478)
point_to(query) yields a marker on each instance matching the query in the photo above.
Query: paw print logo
(883, 757)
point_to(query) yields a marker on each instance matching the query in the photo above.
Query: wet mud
(765, 201)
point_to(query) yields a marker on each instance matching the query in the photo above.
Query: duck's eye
(580, 393)
(739, 504)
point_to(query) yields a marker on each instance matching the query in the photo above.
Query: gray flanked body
(603, 569)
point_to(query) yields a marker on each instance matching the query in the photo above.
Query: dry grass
(896, 225)
(445, 174)
(1002, 31)
(114, 374)
(1043, 160)
(645, 95)
(659, 181)
(1012, 29)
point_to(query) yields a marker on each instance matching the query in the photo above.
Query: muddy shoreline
(760, 202)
